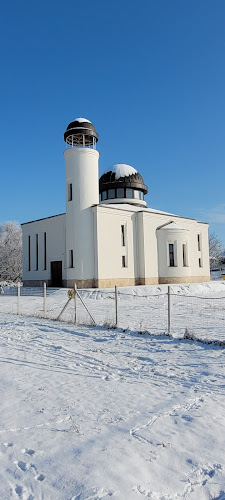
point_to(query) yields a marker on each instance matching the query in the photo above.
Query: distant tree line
(10, 252)
(216, 251)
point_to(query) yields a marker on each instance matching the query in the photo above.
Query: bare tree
(216, 251)
(10, 252)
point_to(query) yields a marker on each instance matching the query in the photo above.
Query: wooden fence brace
(116, 305)
(75, 303)
(60, 314)
(44, 302)
(18, 298)
(169, 309)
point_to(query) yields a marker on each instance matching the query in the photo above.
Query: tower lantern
(81, 133)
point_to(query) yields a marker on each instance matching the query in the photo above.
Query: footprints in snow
(24, 467)
(27, 451)
(193, 405)
(200, 477)
(21, 492)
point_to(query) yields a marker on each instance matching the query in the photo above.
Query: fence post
(116, 305)
(169, 309)
(18, 298)
(75, 303)
(44, 306)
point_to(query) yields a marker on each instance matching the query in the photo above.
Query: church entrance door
(56, 273)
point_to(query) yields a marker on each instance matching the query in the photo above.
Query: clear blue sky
(150, 75)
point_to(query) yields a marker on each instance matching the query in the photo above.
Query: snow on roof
(173, 225)
(122, 170)
(82, 120)
(134, 208)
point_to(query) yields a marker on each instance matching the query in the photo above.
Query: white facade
(114, 242)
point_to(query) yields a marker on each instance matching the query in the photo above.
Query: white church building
(108, 236)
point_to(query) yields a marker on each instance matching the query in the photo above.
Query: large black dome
(122, 181)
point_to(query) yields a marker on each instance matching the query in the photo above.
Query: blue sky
(149, 75)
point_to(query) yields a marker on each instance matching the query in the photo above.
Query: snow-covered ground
(89, 413)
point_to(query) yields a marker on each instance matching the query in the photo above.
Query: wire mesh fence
(143, 312)
(181, 315)
(200, 317)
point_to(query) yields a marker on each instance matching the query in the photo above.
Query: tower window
(123, 261)
(199, 242)
(123, 235)
(70, 192)
(71, 258)
(171, 254)
(200, 262)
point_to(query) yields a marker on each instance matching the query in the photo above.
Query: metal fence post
(44, 305)
(18, 298)
(169, 309)
(116, 305)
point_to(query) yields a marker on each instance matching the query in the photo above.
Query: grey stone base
(111, 283)
(39, 283)
(183, 279)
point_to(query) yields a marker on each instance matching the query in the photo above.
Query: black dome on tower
(81, 132)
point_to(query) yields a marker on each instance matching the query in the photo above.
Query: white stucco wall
(55, 229)
(110, 250)
(177, 236)
(146, 247)
(159, 252)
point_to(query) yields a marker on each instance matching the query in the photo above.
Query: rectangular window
(200, 262)
(199, 242)
(184, 255)
(71, 258)
(129, 193)
(45, 252)
(36, 252)
(104, 195)
(123, 261)
(123, 235)
(171, 254)
(120, 192)
(111, 194)
(70, 192)
(29, 253)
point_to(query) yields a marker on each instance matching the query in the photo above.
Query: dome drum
(128, 187)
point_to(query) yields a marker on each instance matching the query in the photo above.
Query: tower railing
(81, 141)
